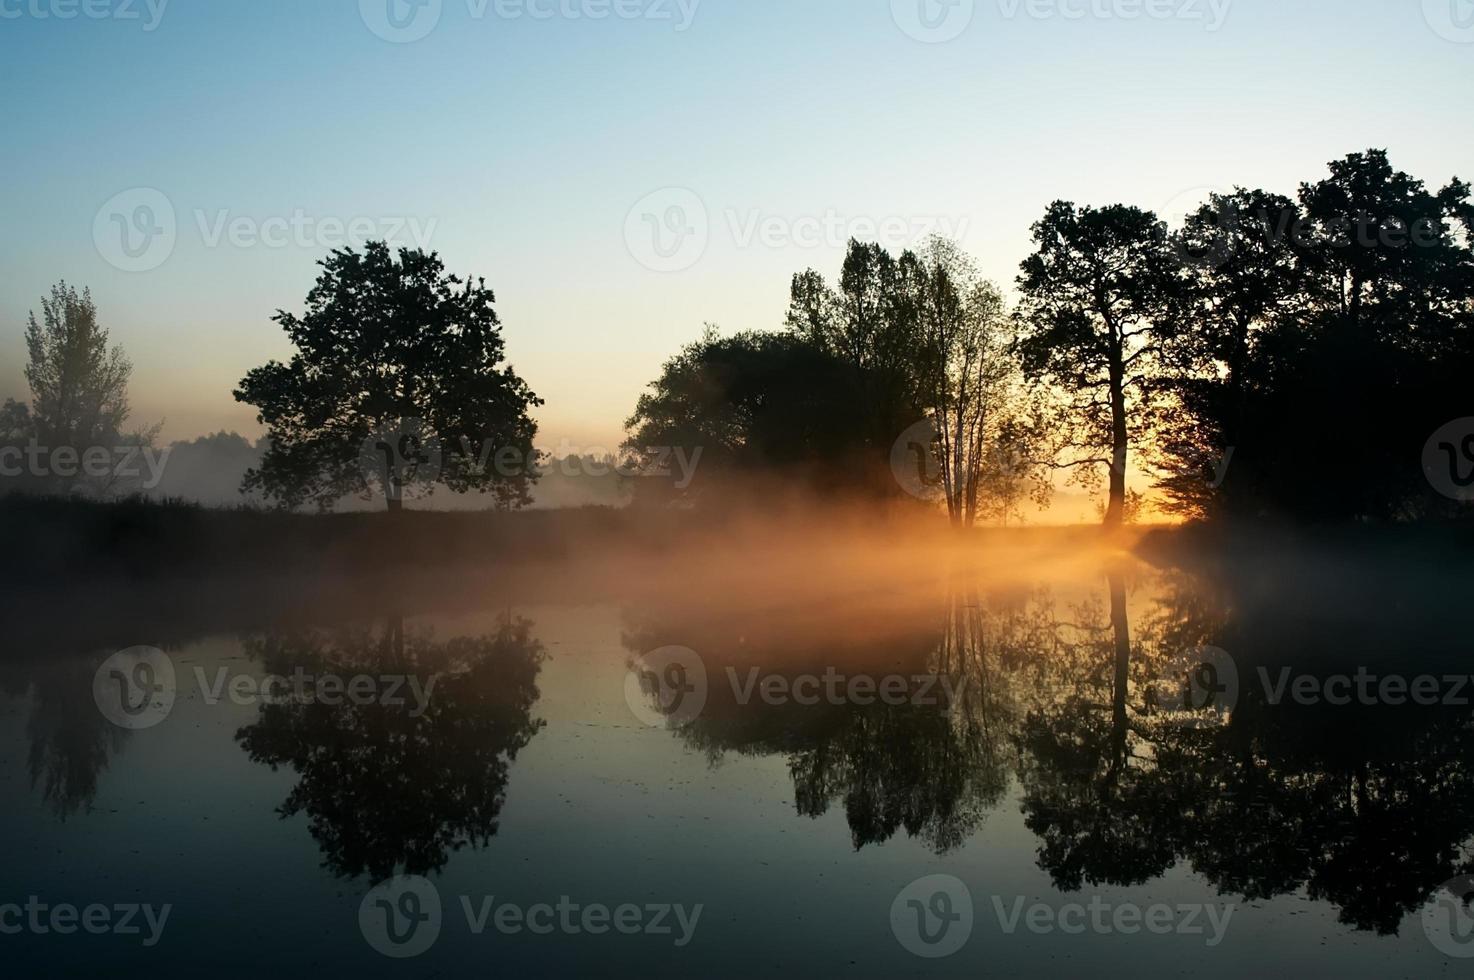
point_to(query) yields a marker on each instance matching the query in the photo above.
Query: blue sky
(518, 146)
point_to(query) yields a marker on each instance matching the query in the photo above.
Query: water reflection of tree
(1368, 809)
(70, 739)
(385, 791)
(933, 770)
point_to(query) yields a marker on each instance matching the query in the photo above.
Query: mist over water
(784, 723)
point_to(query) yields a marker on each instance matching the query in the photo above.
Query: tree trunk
(1121, 628)
(1116, 509)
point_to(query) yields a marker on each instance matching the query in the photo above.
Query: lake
(1023, 759)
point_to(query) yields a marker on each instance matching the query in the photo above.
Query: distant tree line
(1271, 358)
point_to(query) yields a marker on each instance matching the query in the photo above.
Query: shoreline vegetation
(1275, 361)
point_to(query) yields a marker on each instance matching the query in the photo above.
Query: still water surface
(1030, 748)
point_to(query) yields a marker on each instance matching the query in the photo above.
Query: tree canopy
(393, 356)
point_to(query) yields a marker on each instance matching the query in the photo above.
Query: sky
(623, 172)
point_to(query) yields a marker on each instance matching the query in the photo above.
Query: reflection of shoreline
(1364, 811)
(1361, 808)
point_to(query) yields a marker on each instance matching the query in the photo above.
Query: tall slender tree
(79, 382)
(1097, 298)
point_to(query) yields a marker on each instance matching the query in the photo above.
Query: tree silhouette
(1322, 343)
(753, 403)
(387, 344)
(1097, 299)
(79, 399)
